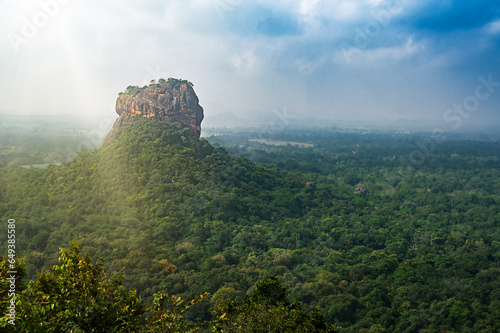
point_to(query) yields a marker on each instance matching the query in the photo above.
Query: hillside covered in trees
(341, 227)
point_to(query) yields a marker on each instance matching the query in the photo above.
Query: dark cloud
(453, 15)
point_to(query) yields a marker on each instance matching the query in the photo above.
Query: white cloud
(247, 63)
(494, 27)
(379, 55)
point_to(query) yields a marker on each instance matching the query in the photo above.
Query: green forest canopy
(171, 82)
(418, 250)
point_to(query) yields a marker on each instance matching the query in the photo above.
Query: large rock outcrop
(169, 101)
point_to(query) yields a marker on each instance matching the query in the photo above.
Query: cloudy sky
(370, 60)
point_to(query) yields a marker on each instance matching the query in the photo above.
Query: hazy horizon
(367, 61)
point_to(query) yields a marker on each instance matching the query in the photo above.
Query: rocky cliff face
(170, 101)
